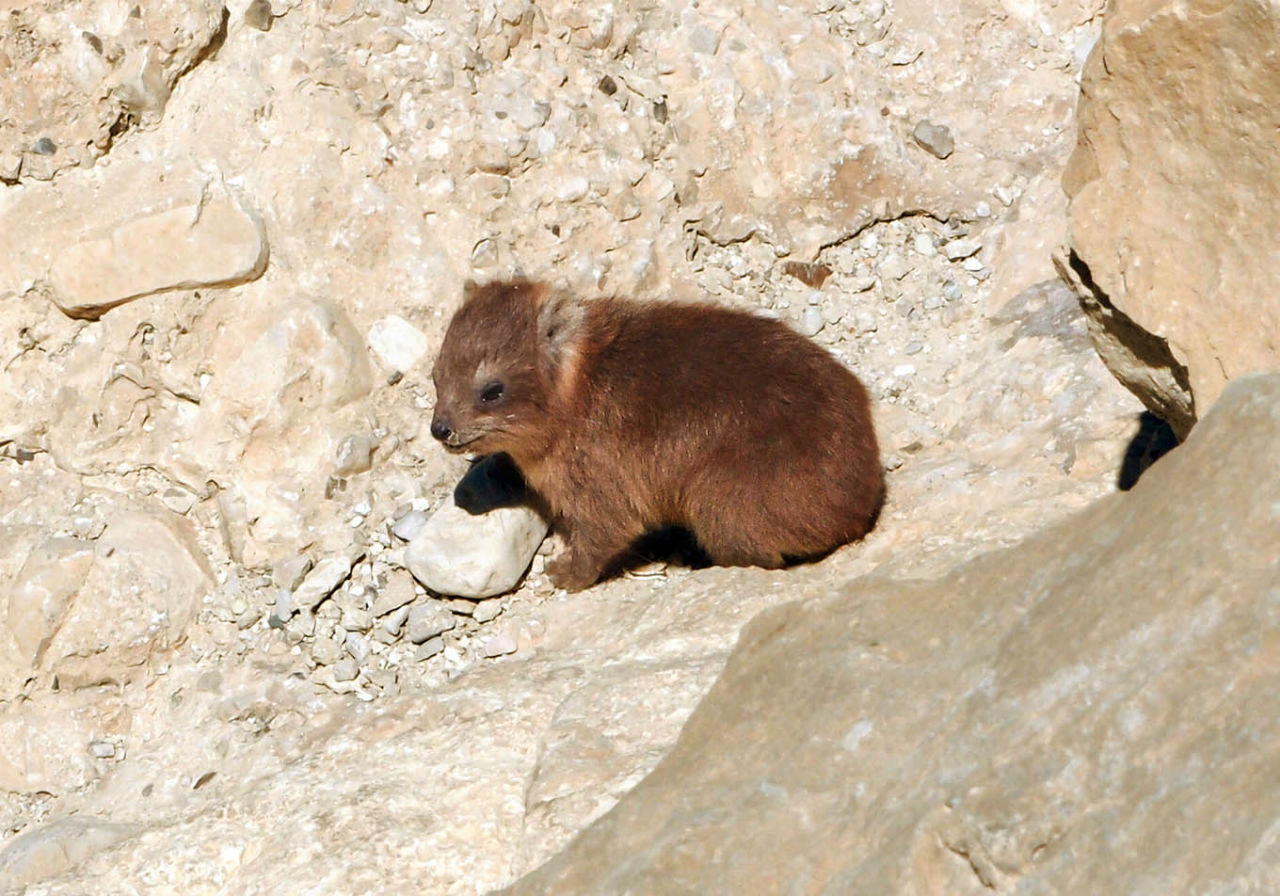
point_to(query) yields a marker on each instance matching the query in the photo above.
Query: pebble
(355, 455)
(397, 593)
(326, 651)
(923, 244)
(282, 610)
(345, 669)
(326, 576)
(429, 648)
(409, 525)
(972, 264)
(487, 610)
(934, 302)
(358, 646)
(499, 645)
(179, 500)
(395, 621)
(951, 289)
(935, 139)
(357, 620)
(956, 250)
(44, 147)
(258, 15)
(913, 348)
(812, 322)
(983, 209)
(397, 343)
(288, 574)
(427, 620)
(102, 749)
(904, 370)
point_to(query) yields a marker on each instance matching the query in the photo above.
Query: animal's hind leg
(726, 550)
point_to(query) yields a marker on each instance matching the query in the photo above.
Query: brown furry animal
(628, 416)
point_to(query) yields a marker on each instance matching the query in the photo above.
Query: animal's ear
(561, 319)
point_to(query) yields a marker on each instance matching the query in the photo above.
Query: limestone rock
(56, 847)
(213, 243)
(94, 613)
(1096, 710)
(1172, 194)
(75, 77)
(474, 555)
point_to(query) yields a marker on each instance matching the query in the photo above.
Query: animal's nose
(440, 428)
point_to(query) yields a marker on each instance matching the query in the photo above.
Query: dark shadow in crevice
(1154, 439)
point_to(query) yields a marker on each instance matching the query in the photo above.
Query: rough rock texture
(314, 718)
(1097, 710)
(77, 76)
(1174, 186)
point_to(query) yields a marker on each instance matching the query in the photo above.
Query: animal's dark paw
(570, 575)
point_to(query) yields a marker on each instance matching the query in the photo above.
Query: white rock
(466, 555)
(328, 574)
(428, 620)
(397, 343)
(962, 248)
(216, 242)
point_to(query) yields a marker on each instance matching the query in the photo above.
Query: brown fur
(627, 416)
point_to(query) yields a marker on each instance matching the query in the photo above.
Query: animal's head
(508, 350)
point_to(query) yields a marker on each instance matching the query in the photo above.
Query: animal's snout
(440, 428)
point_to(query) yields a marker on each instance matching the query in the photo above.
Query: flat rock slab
(218, 242)
(1094, 711)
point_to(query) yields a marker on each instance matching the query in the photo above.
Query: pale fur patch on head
(561, 334)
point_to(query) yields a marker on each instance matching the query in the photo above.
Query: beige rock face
(1173, 189)
(1097, 710)
(76, 77)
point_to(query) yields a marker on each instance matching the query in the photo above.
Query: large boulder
(1175, 195)
(1094, 711)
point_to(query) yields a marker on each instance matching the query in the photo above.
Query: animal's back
(730, 424)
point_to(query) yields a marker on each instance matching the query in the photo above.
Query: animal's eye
(492, 392)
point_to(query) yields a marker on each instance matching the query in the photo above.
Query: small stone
(983, 209)
(973, 264)
(397, 593)
(283, 609)
(44, 147)
(913, 348)
(487, 610)
(345, 669)
(431, 647)
(933, 303)
(892, 462)
(179, 500)
(904, 370)
(956, 250)
(326, 651)
(354, 456)
(357, 620)
(951, 289)
(288, 574)
(409, 525)
(427, 620)
(397, 343)
(935, 139)
(923, 244)
(474, 555)
(812, 321)
(358, 646)
(461, 607)
(394, 622)
(327, 575)
(607, 86)
(499, 645)
(102, 749)
(258, 15)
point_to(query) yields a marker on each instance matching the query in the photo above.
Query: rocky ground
(235, 236)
